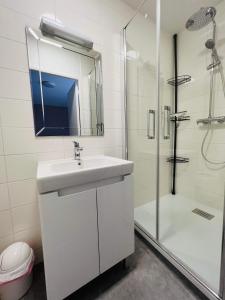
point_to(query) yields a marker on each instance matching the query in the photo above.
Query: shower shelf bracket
(179, 80)
(179, 159)
(180, 119)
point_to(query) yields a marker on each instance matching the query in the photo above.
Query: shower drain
(203, 214)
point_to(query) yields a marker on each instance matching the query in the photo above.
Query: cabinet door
(115, 222)
(70, 241)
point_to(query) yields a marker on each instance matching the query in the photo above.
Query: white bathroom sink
(54, 175)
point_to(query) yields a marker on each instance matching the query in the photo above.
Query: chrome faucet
(77, 150)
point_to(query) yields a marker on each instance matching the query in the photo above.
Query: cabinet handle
(151, 124)
(166, 122)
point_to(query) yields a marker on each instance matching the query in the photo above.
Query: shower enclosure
(175, 133)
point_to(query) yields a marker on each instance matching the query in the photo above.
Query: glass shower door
(141, 116)
(192, 188)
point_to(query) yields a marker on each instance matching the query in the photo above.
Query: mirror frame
(77, 49)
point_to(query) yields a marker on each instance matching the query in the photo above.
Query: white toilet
(16, 264)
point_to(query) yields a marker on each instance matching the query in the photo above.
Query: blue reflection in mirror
(55, 104)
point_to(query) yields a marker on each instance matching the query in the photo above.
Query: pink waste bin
(16, 264)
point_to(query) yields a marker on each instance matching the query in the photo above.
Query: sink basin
(54, 175)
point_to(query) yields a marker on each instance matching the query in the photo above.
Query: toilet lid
(14, 256)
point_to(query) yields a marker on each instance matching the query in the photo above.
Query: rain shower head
(201, 18)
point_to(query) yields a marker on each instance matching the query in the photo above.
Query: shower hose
(203, 152)
(209, 125)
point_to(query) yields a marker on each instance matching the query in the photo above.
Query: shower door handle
(166, 122)
(151, 124)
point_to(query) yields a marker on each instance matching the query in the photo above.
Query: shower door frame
(154, 241)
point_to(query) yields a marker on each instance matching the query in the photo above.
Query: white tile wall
(102, 22)
(8, 59)
(5, 241)
(22, 192)
(2, 170)
(1, 143)
(21, 167)
(6, 228)
(25, 216)
(11, 109)
(4, 196)
(12, 24)
(14, 84)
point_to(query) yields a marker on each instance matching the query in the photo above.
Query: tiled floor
(149, 277)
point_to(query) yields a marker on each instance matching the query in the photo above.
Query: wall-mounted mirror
(66, 87)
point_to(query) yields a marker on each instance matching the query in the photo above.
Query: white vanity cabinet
(115, 222)
(85, 231)
(70, 241)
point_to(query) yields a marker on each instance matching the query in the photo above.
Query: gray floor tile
(148, 277)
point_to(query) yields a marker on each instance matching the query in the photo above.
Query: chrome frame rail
(125, 78)
(125, 92)
(222, 262)
(158, 21)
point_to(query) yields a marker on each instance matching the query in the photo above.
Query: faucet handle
(76, 144)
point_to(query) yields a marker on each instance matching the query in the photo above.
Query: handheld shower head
(210, 44)
(201, 18)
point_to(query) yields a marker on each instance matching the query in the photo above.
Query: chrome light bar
(51, 28)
